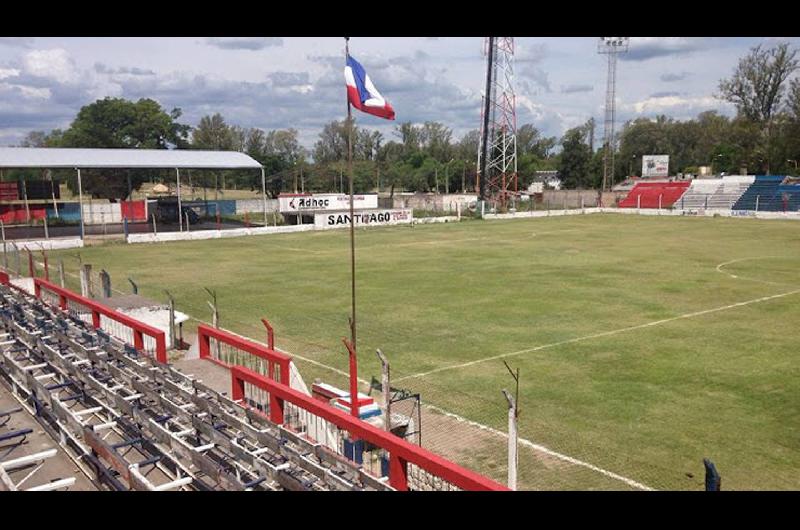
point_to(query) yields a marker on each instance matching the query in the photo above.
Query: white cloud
(671, 102)
(34, 93)
(27, 92)
(8, 72)
(643, 48)
(55, 64)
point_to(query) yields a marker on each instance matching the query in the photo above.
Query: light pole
(630, 166)
(446, 178)
(711, 168)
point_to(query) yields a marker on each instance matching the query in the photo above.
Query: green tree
(332, 143)
(120, 123)
(212, 133)
(574, 164)
(757, 88)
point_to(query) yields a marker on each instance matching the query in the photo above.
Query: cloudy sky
(274, 82)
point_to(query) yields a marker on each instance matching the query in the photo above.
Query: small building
(549, 178)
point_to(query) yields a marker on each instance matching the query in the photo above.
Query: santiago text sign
(363, 218)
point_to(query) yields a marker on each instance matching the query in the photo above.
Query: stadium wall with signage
(326, 220)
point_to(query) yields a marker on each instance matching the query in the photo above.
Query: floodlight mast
(497, 155)
(611, 46)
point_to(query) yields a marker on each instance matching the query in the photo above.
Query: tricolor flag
(362, 94)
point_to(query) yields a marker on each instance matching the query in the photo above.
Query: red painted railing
(139, 329)
(269, 355)
(401, 453)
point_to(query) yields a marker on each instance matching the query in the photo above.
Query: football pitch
(644, 344)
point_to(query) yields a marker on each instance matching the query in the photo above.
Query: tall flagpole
(352, 216)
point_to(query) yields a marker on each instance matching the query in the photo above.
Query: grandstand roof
(51, 158)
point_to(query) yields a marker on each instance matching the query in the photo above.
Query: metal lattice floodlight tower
(498, 176)
(611, 46)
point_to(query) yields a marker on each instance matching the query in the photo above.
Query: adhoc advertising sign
(363, 218)
(655, 166)
(325, 202)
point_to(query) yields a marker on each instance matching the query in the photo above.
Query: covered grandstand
(82, 159)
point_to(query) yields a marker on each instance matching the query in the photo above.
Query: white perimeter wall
(48, 244)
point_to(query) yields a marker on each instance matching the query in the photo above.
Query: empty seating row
(761, 195)
(730, 190)
(654, 194)
(698, 194)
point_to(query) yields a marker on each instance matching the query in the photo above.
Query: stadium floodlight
(607, 44)
(611, 46)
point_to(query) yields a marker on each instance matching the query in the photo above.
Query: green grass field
(568, 298)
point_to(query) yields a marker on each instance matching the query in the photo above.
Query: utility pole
(5, 251)
(487, 100)
(446, 177)
(214, 316)
(173, 339)
(61, 277)
(387, 395)
(105, 283)
(86, 280)
(513, 441)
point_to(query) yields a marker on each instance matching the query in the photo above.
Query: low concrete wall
(649, 211)
(256, 206)
(216, 234)
(442, 219)
(711, 212)
(541, 213)
(433, 201)
(49, 244)
(565, 199)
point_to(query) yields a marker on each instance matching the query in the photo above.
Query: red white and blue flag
(362, 94)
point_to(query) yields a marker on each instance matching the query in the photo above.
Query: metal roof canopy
(52, 158)
(177, 159)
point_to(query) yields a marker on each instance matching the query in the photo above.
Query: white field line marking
(543, 449)
(721, 265)
(601, 334)
(303, 250)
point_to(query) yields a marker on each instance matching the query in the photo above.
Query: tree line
(763, 137)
